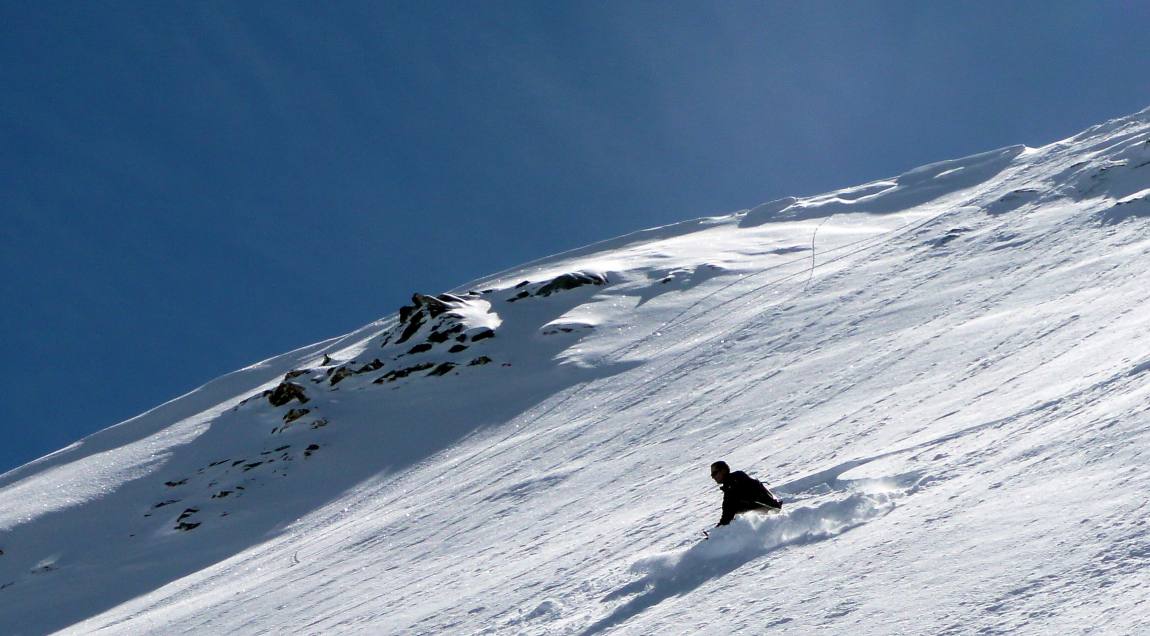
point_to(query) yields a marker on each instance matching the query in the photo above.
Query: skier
(741, 493)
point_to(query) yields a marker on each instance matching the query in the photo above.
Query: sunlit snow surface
(945, 374)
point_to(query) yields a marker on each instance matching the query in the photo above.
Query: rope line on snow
(870, 239)
(813, 235)
(875, 240)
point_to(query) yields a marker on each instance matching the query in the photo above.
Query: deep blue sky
(186, 188)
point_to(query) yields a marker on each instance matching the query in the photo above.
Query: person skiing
(741, 493)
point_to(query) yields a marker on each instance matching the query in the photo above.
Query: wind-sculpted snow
(943, 374)
(917, 187)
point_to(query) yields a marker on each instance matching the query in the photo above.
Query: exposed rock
(413, 325)
(185, 526)
(478, 361)
(420, 348)
(286, 392)
(483, 335)
(262, 394)
(442, 336)
(374, 365)
(442, 369)
(423, 309)
(310, 449)
(320, 423)
(174, 483)
(340, 374)
(406, 312)
(221, 494)
(457, 348)
(326, 360)
(570, 281)
(295, 373)
(435, 306)
(450, 298)
(187, 513)
(395, 374)
(295, 414)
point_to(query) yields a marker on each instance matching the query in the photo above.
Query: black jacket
(741, 493)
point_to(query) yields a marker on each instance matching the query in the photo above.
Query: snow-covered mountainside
(945, 375)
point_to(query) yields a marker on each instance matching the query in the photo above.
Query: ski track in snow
(946, 375)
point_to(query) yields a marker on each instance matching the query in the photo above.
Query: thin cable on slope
(874, 240)
(624, 350)
(813, 235)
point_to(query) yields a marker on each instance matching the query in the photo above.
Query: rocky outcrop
(565, 327)
(422, 310)
(483, 335)
(286, 392)
(570, 280)
(374, 365)
(395, 374)
(187, 525)
(442, 369)
(339, 374)
(295, 414)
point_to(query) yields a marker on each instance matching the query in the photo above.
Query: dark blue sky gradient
(188, 188)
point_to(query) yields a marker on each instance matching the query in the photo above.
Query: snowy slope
(945, 374)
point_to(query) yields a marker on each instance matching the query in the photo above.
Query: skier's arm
(764, 497)
(728, 510)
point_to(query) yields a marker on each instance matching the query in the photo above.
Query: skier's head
(719, 471)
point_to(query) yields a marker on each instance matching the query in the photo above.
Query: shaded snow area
(945, 375)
